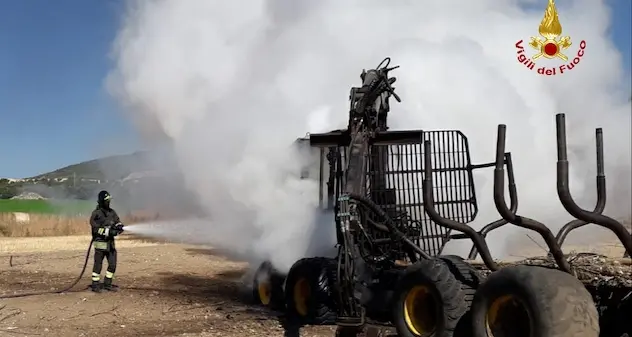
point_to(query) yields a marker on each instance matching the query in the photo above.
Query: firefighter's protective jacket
(102, 221)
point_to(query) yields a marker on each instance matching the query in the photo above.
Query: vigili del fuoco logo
(551, 45)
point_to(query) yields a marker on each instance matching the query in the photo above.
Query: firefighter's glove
(116, 229)
(119, 228)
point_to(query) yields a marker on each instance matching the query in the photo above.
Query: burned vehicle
(398, 197)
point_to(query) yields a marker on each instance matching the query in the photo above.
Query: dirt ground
(166, 290)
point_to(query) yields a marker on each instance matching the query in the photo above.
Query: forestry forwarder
(391, 233)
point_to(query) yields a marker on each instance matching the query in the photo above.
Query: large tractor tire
(526, 301)
(267, 289)
(470, 279)
(429, 300)
(309, 292)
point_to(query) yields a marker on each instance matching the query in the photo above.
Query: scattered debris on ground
(592, 269)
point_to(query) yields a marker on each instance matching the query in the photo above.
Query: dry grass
(40, 225)
(13, 246)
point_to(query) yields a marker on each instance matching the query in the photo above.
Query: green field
(51, 206)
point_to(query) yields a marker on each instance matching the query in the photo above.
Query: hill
(141, 181)
(73, 179)
(81, 180)
(117, 167)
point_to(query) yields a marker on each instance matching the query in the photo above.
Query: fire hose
(118, 229)
(59, 291)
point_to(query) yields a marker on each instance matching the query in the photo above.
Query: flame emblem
(549, 46)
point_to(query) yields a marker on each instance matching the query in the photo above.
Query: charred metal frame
(433, 238)
(509, 215)
(554, 242)
(457, 198)
(368, 112)
(569, 204)
(370, 208)
(352, 188)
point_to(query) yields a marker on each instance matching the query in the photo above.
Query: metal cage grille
(394, 181)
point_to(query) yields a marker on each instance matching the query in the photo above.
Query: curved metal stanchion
(564, 194)
(429, 207)
(601, 193)
(513, 205)
(507, 214)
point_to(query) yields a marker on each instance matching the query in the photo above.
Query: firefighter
(105, 224)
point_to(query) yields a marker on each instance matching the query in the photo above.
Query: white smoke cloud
(234, 83)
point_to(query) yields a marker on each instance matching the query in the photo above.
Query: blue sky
(53, 59)
(53, 108)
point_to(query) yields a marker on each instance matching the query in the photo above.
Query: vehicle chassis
(445, 154)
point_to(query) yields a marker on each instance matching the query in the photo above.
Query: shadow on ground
(228, 286)
(222, 292)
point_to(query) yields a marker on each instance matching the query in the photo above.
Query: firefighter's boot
(107, 285)
(95, 286)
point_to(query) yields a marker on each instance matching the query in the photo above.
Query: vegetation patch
(47, 206)
(43, 225)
